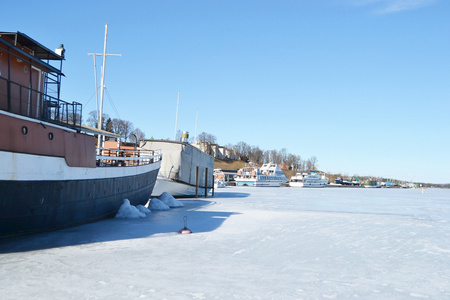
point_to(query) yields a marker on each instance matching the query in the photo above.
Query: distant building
(284, 166)
(215, 150)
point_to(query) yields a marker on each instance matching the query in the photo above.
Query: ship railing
(125, 158)
(24, 101)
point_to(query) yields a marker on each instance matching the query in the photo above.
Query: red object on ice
(185, 230)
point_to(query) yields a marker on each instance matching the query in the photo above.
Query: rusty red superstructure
(50, 174)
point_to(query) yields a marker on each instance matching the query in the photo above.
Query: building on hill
(215, 150)
(284, 166)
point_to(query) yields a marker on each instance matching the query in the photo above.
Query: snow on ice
(127, 210)
(169, 200)
(248, 243)
(156, 204)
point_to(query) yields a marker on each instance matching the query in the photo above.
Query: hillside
(228, 164)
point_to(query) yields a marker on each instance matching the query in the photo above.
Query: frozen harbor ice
(248, 243)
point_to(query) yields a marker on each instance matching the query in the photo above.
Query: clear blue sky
(362, 85)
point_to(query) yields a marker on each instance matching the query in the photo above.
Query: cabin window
(24, 130)
(50, 136)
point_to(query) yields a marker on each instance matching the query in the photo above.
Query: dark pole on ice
(196, 184)
(212, 185)
(206, 182)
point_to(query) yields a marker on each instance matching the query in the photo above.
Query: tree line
(247, 153)
(121, 127)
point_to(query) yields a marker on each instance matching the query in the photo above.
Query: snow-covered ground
(247, 243)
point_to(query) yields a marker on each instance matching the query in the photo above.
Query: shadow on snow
(114, 229)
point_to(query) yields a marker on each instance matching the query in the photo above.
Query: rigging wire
(112, 103)
(89, 99)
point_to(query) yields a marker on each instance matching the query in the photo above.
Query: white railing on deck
(113, 157)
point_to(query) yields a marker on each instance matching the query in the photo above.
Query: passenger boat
(297, 180)
(186, 171)
(268, 175)
(315, 180)
(51, 174)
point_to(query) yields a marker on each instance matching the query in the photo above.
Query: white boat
(226, 175)
(219, 179)
(268, 175)
(219, 183)
(315, 180)
(185, 170)
(297, 180)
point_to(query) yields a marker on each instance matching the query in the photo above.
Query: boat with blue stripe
(269, 175)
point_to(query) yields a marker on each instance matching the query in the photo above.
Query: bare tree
(207, 138)
(117, 126)
(290, 160)
(311, 163)
(313, 160)
(266, 156)
(127, 129)
(122, 128)
(93, 121)
(255, 154)
(299, 163)
(275, 156)
(283, 155)
(108, 125)
(242, 149)
(140, 135)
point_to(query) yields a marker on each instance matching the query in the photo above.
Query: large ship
(268, 175)
(51, 174)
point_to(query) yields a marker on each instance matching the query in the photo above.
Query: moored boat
(315, 180)
(371, 184)
(186, 171)
(51, 174)
(269, 175)
(297, 180)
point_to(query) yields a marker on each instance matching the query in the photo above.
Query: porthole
(24, 130)
(25, 69)
(50, 136)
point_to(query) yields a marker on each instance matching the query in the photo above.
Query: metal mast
(196, 119)
(102, 84)
(176, 117)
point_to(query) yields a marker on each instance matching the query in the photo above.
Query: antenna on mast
(176, 117)
(196, 119)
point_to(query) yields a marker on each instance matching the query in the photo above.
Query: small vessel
(371, 184)
(185, 171)
(348, 181)
(226, 175)
(51, 174)
(297, 180)
(339, 180)
(315, 180)
(219, 179)
(268, 175)
(219, 183)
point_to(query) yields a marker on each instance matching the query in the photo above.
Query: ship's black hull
(35, 206)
